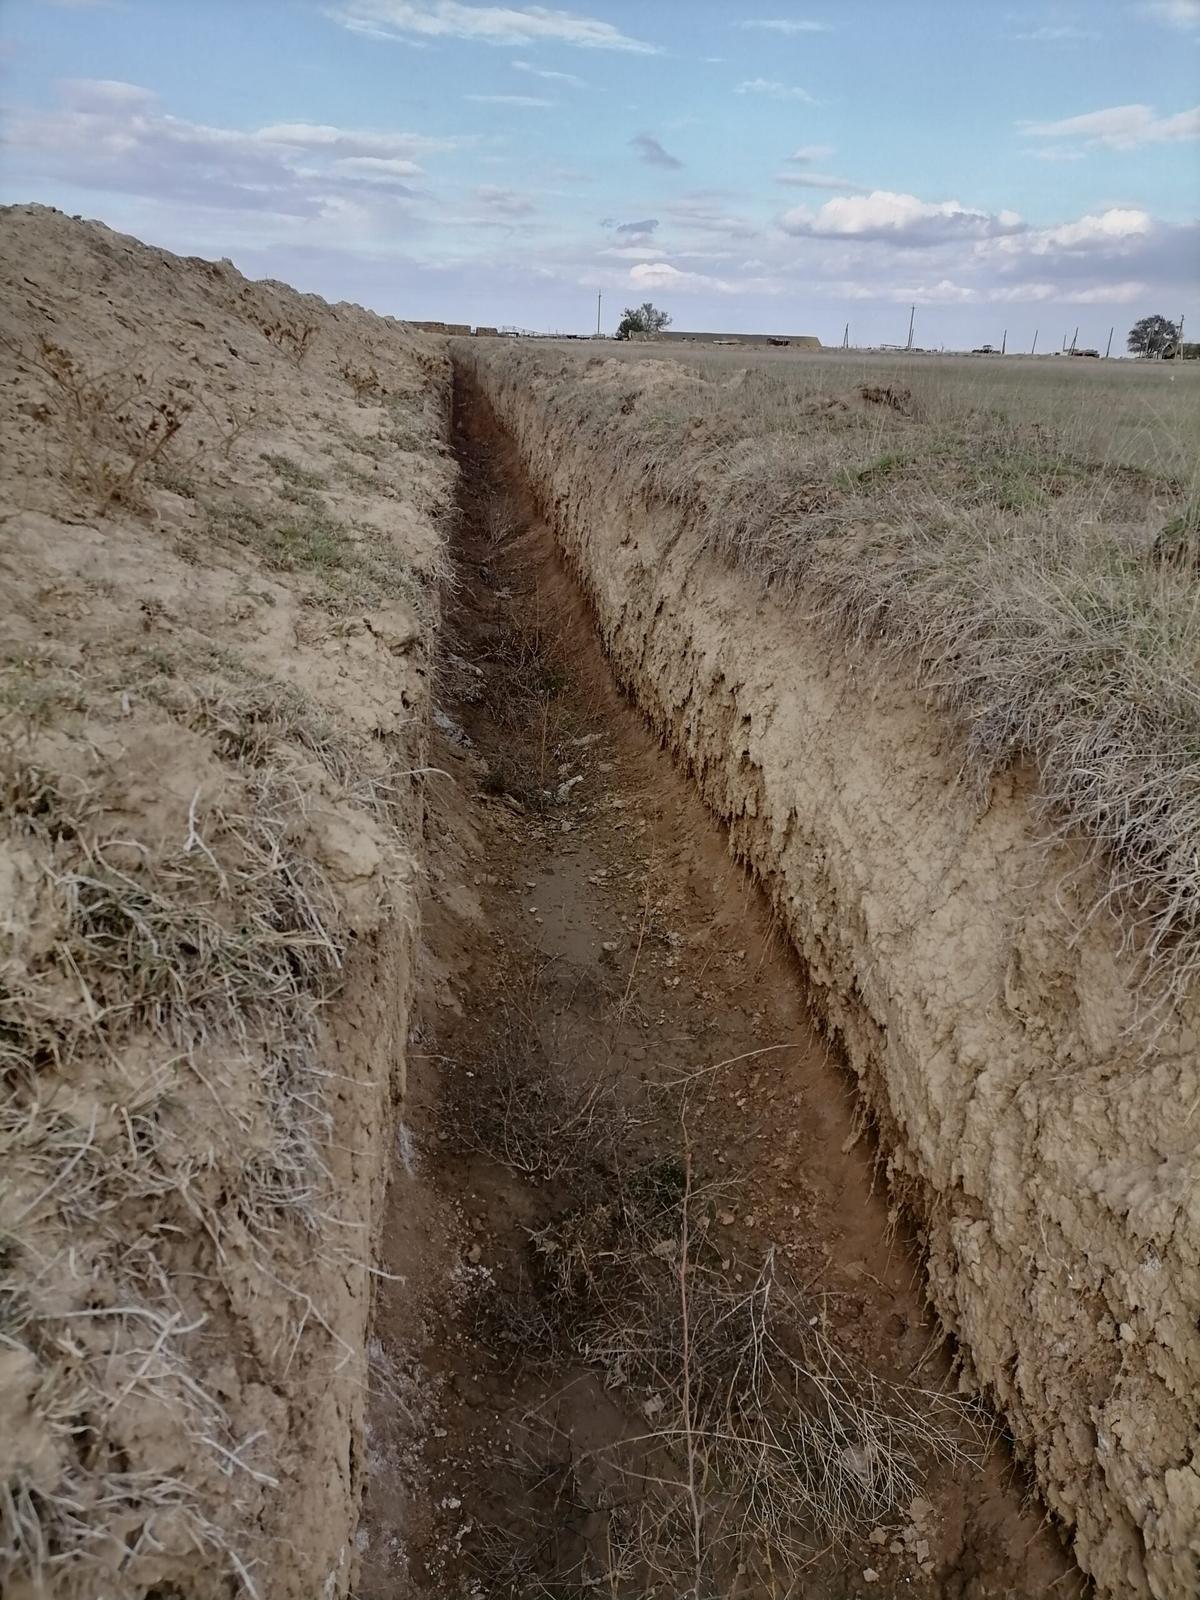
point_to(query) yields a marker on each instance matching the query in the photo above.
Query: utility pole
(912, 312)
(597, 314)
(1180, 339)
(846, 338)
(1004, 343)
(1108, 346)
(1074, 340)
(1033, 351)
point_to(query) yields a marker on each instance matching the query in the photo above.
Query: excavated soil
(220, 544)
(585, 920)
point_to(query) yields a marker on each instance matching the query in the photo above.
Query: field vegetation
(1021, 538)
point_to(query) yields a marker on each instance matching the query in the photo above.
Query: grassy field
(1133, 413)
(1020, 537)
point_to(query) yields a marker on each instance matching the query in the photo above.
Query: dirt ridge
(220, 554)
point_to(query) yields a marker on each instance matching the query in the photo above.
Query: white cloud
(811, 152)
(1108, 294)
(508, 100)
(1120, 127)
(901, 218)
(1052, 153)
(504, 202)
(1175, 13)
(706, 215)
(1114, 227)
(322, 138)
(499, 25)
(379, 167)
(113, 136)
(1053, 33)
(785, 25)
(105, 95)
(1023, 294)
(676, 280)
(549, 76)
(821, 180)
(773, 90)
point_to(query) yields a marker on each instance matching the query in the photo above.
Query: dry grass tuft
(220, 952)
(509, 1106)
(115, 425)
(750, 1441)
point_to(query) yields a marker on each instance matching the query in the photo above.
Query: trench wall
(1048, 1153)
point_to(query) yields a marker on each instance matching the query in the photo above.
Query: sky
(753, 166)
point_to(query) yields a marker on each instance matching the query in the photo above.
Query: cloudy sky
(745, 164)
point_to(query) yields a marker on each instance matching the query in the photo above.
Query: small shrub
(363, 383)
(294, 338)
(113, 425)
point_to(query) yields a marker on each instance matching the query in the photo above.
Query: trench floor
(594, 958)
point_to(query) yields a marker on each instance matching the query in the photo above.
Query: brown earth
(1040, 1126)
(584, 907)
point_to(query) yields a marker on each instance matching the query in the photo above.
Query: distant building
(439, 327)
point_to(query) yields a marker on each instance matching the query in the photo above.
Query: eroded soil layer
(1044, 1137)
(592, 948)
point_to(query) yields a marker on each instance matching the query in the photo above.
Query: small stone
(610, 944)
(878, 1536)
(870, 1575)
(475, 1254)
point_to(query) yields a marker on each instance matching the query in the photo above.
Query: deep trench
(605, 995)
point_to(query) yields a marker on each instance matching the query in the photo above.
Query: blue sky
(746, 166)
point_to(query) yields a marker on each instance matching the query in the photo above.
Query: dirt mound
(221, 555)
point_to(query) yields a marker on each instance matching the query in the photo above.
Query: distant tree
(1152, 336)
(642, 319)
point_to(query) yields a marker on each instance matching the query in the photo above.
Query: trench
(607, 1009)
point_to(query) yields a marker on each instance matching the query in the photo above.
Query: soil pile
(221, 544)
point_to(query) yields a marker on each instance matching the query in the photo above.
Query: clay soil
(587, 932)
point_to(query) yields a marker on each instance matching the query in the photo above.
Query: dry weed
(112, 424)
(221, 951)
(751, 1440)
